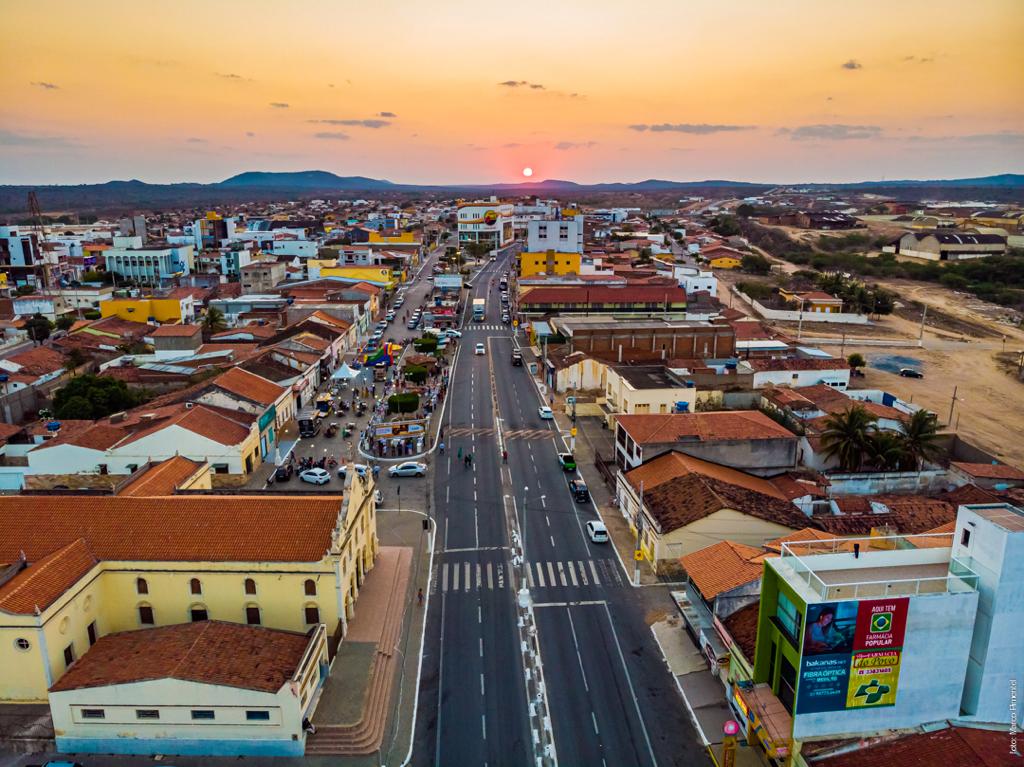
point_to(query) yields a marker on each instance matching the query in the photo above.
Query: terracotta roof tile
(951, 747)
(702, 427)
(906, 514)
(180, 528)
(742, 627)
(990, 470)
(249, 385)
(207, 652)
(723, 566)
(44, 580)
(162, 478)
(176, 331)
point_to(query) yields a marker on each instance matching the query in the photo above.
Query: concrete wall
(874, 483)
(938, 636)
(781, 315)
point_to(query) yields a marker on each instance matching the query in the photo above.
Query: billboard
(851, 654)
(448, 282)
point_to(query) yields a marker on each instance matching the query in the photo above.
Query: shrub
(426, 345)
(403, 403)
(415, 373)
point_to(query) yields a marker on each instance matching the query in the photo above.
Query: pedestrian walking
(419, 597)
(460, 454)
(504, 456)
(441, 448)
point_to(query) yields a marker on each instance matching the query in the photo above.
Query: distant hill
(304, 179)
(260, 186)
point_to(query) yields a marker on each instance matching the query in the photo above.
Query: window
(92, 633)
(23, 644)
(312, 615)
(147, 713)
(195, 586)
(141, 587)
(93, 713)
(252, 616)
(965, 537)
(203, 714)
(69, 654)
(788, 617)
(198, 613)
(257, 716)
(146, 615)
(250, 586)
(310, 587)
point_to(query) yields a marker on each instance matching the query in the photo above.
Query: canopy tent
(344, 373)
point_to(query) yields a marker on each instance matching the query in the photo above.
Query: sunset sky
(446, 91)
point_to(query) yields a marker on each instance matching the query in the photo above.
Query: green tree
(214, 322)
(856, 361)
(65, 321)
(755, 264)
(74, 359)
(416, 374)
(726, 226)
(403, 403)
(477, 250)
(921, 437)
(38, 328)
(886, 450)
(847, 436)
(427, 344)
(90, 396)
(745, 210)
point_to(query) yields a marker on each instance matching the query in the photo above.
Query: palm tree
(886, 450)
(847, 435)
(920, 437)
(214, 322)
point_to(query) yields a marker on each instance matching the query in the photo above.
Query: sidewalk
(702, 692)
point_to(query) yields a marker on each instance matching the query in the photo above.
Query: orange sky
(589, 91)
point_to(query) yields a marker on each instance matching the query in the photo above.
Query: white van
(597, 531)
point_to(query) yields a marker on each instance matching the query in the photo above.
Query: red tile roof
(37, 361)
(723, 566)
(603, 295)
(176, 331)
(951, 747)
(42, 582)
(702, 427)
(249, 385)
(162, 478)
(989, 470)
(742, 627)
(179, 528)
(207, 652)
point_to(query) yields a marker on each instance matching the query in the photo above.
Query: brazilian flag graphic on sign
(881, 622)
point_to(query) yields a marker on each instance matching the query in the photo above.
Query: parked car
(479, 349)
(361, 469)
(283, 473)
(408, 469)
(597, 531)
(517, 358)
(911, 373)
(378, 498)
(545, 412)
(316, 476)
(567, 461)
(453, 333)
(579, 490)
(506, 319)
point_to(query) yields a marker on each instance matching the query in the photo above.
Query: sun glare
(527, 172)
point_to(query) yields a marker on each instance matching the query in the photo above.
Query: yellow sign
(515, 323)
(572, 432)
(638, 555)
(874, 675)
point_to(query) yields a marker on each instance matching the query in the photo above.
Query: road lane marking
(444, 577)
(551, 573)
(529, 575)
(552, 541)
(540, 573)
(490, 576)
(561, 574)
(629, 681)
(455, 577)
(479, 577)
(547, 519)
(593, 718)
(572, 574)
(465, 580)
(583, 573)
(579, 656)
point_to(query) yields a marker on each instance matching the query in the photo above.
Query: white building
(152, 266)
(487, 222)
(562, 235)
(208, 688)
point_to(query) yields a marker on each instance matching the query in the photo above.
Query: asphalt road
(611, 699)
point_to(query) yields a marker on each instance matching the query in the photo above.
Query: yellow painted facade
(141, 309)
(108, 598)
(405, 238)
(548, 262)
(368, 273)
(725, 262)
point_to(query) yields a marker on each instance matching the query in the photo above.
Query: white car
(453, 333)
(316, 476)
(361, 469)
(378, 498)
(545, 412)
(479, 349)
(597, 531)
(408, 469)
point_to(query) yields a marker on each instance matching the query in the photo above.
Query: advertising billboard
(851, 654)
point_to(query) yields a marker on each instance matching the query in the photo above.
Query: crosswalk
(484, 326)
(488, 431)
(492, 576)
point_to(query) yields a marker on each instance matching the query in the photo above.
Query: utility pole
(636, 547)
(952, 405)
(800, 322)
(920, 335)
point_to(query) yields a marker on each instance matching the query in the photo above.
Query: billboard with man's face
(851, 654)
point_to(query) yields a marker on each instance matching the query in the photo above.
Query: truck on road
(479, 309)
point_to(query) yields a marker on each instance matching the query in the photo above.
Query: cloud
(195, 140)
(919, 59)
(510, 145)
(1003, 138)
(521, 84)
(232, 76)
(831, 132)
(699, 129)
(46, 86)
(331, 136)
(567, 145)
(851, 64)
(10, 138)
(356, 123)
(387, 114)
(680, 149)
(279, 104)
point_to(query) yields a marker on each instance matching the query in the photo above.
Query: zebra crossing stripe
(529, 575)
(490, 576)
(459, 576)
(572, 574)
(465, 582)
(583, 574)
(540, 574)
(551, 573)
(593, 570)
(455, 577)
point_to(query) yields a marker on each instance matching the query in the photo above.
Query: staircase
(365, 736)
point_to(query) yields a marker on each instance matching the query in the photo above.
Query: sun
(527, 172)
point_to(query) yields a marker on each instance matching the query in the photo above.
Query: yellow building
(373, 274)
(813, 301)
(81, 567)
(725, 262)
(549, 262)
(402, 238)
(148, 309)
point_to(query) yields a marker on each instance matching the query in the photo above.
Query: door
(787, 684)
